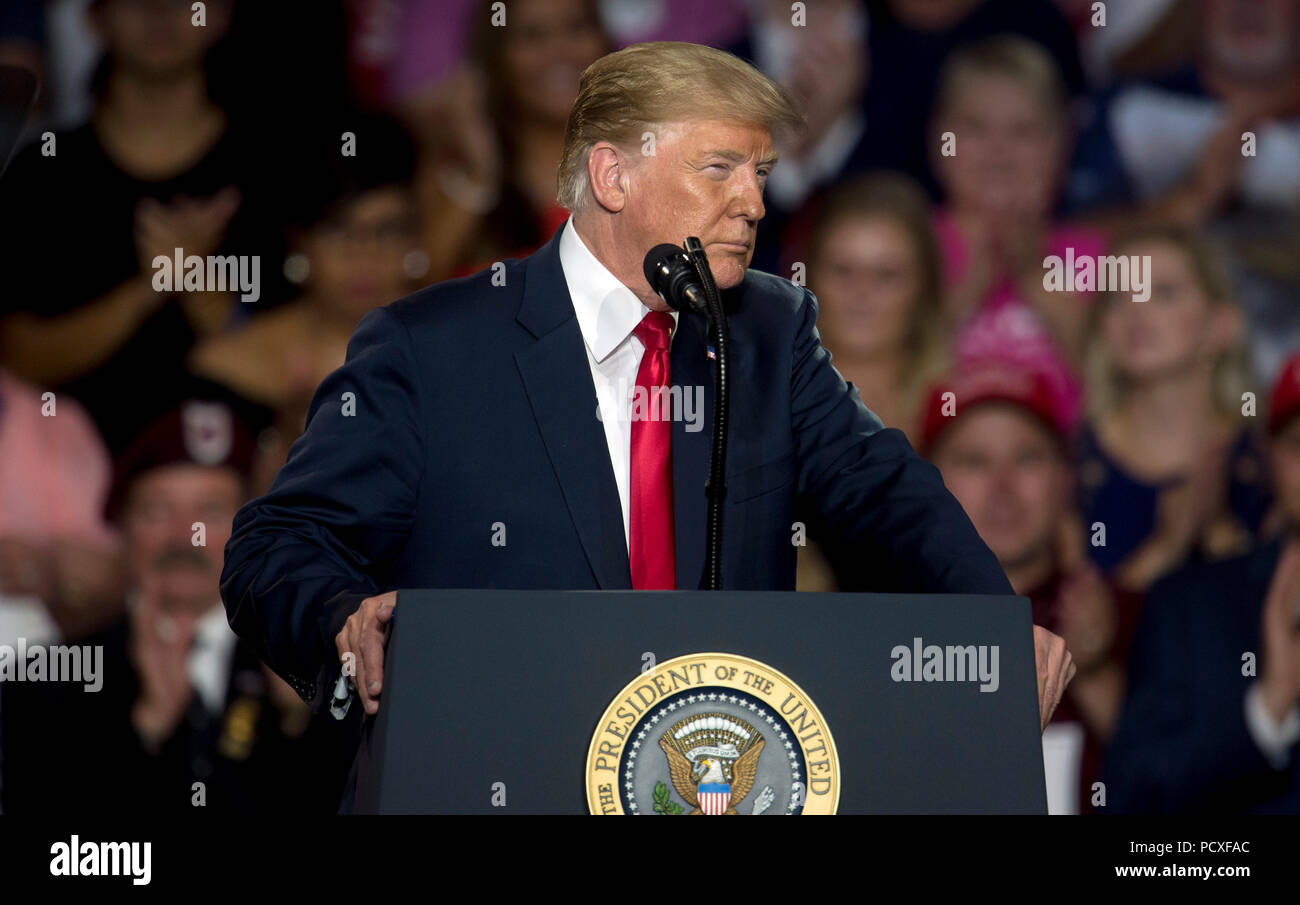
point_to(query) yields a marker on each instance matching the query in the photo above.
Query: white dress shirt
(607, 313)
(209, 662)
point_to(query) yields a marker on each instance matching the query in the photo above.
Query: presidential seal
(712, 734)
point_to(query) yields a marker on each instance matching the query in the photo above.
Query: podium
(493, 698)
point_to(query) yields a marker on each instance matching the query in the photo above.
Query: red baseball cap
(988, 382)
(1285, 398)
(197, 432)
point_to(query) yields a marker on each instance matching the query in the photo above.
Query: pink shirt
(1007, 328)
(54, 470)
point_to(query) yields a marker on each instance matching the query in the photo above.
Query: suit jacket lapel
(558, 382)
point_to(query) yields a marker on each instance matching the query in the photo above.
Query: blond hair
(1010, 57)
(1105, 388)
(624, 94)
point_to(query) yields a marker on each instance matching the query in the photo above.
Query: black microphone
(672, 276)
(682, 278)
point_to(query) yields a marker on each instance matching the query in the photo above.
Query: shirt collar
(607, 310)
(213, 628)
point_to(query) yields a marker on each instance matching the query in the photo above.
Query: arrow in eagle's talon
(763, 801)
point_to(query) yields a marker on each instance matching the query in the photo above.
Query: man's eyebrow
(737, 156)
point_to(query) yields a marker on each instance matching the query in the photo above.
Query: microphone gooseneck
(683, 279)
(716, 487)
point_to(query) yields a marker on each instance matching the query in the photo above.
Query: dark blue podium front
(496, 694)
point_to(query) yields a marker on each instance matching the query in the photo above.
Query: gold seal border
(607, 716)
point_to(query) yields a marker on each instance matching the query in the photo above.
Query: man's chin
(729, 273)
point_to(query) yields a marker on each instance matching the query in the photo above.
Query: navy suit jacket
(466, 414)
(1182, 745)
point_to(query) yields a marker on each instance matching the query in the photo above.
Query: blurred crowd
(1134, 464)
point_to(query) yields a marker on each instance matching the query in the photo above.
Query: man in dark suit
(1212, 717)
(180, 714)
(485, 432)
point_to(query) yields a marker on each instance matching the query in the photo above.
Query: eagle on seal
(704, 785)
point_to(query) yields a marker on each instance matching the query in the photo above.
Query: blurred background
(1134, 465)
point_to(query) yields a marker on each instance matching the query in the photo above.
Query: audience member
(910, 43)
(1004, 455)
(184, 714)
(1001, 113)
(1214, 144)
(159, 168)
(1168, 468)
(1212, 715)
(488, 190)
(874, 265)
(355, 247)
(59, 559)
(821, 58)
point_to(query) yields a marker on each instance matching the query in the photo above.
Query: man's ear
(607, 171)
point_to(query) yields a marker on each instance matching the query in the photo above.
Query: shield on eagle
(715, 797)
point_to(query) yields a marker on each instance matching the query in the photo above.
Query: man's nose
(183, 522)
(1004, 477)
(748, 201)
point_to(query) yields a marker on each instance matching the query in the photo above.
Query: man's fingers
(375, 612)
(1055, 669)
(387, 603)
(359, 671)
(372, 654)
(362, 640)
(1067, 673)
(1061, 678)
(1040, 659)
(350, 644)
(1050, 692)
(1043, 666)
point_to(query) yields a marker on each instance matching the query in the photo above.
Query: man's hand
(364, 636)
(197, 226)
(828, 83)
(1281, 677)
(1087, 617)
(1055, 670)
(160, 647)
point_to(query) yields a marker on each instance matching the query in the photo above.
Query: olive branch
(663, 803)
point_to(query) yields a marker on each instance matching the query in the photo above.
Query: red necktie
(650, 518)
